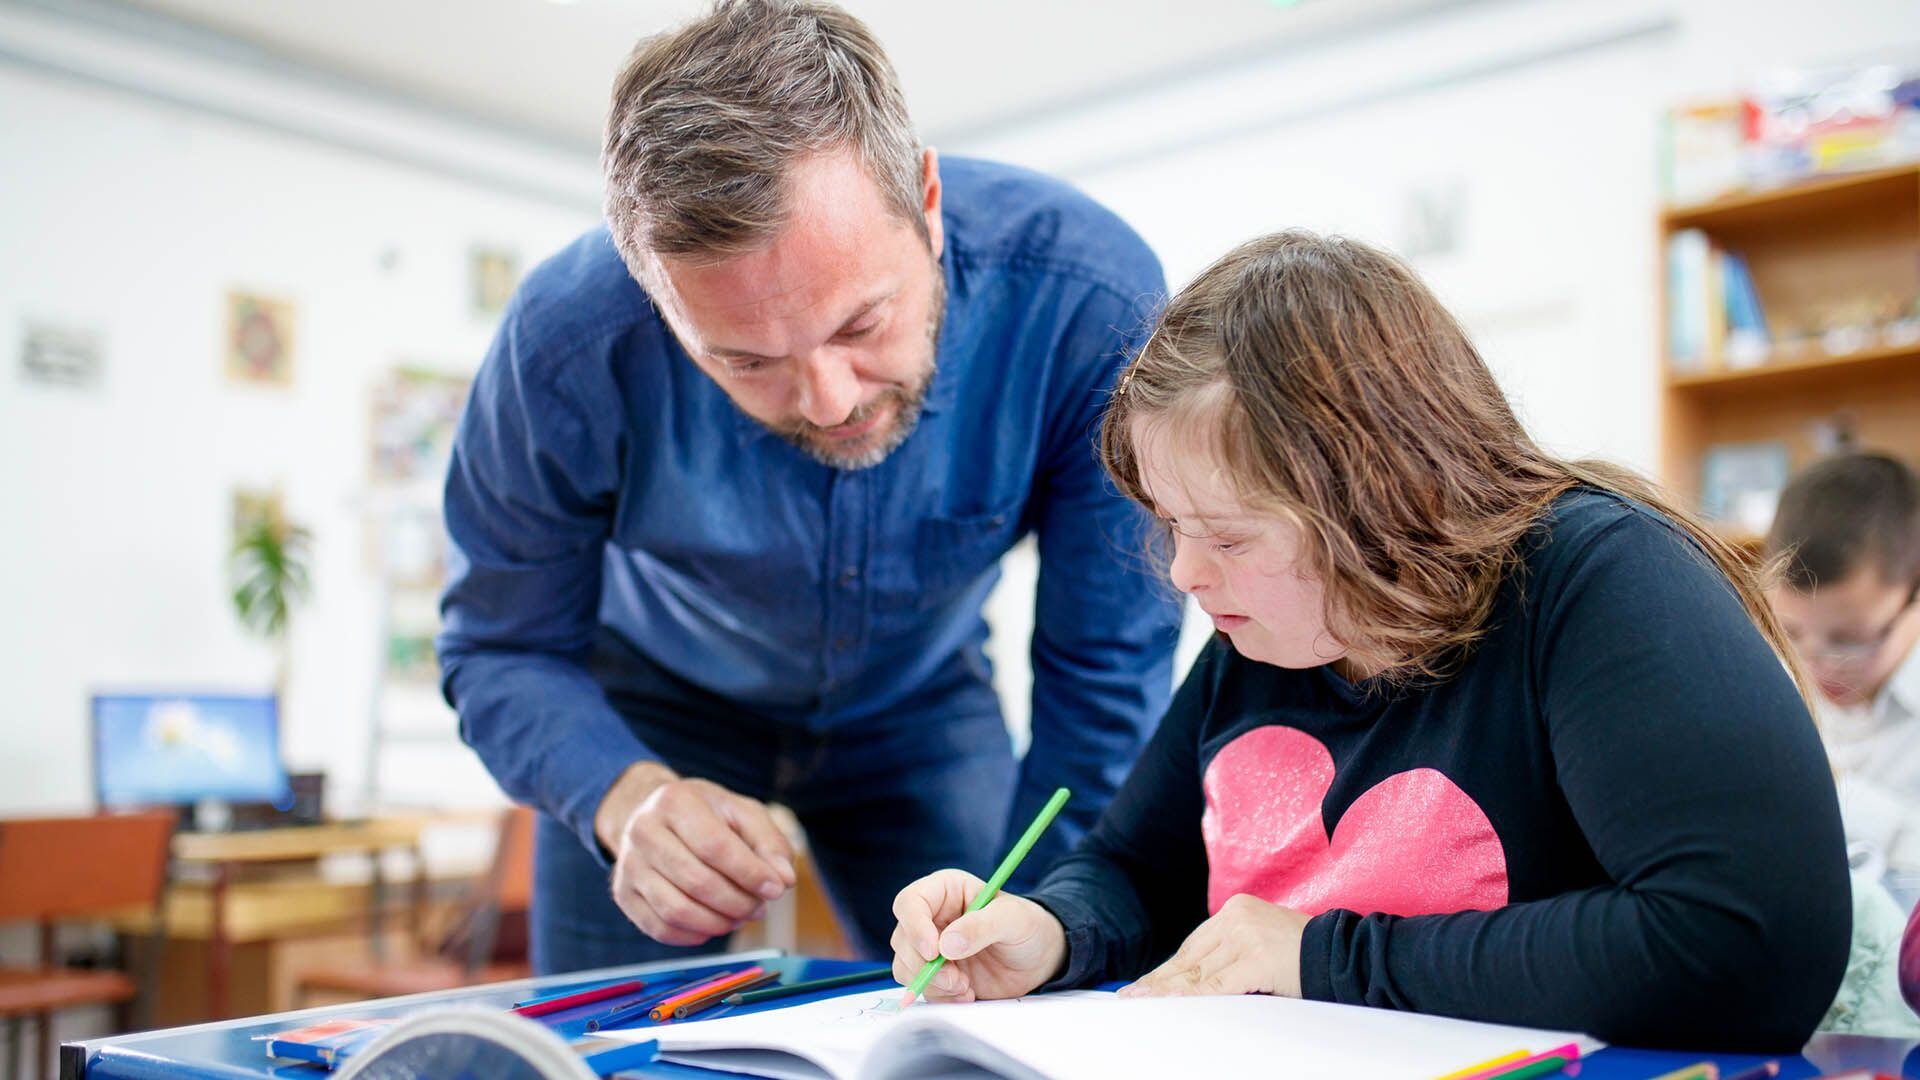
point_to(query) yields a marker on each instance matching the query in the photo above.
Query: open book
(1092, 1034)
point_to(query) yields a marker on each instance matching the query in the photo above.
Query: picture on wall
(414, 413)
(1740, 484)
(259, 339)
(69, 357)
(494, 273)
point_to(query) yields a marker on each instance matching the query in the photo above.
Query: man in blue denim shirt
(735, 480)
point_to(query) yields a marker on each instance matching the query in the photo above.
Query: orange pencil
(725, 983)
(712, 997)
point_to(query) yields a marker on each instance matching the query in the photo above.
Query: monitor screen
(177, 749)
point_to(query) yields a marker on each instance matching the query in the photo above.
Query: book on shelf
(1714, 314)
(1693, 335)
(1747, 341)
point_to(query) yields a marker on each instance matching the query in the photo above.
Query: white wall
(136, 217)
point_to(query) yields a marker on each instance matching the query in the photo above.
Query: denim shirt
(600, 479)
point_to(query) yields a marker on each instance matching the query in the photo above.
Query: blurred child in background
(1849, 528)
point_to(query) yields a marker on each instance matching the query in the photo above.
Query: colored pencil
(1766, 1070)
(1699, 1070)
(789, 989)
(724, 986)
(709, 1000)
(543, 1006)
(1524, 1067)
(1545, 1066)
(634, 1010)
(1007, 866)
(1481, 1067)
(714, 982)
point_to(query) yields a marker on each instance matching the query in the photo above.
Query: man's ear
(930, 199)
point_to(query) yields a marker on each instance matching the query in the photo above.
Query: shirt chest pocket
(946, 554)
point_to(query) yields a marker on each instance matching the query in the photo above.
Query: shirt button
(843, 644)
(849, 576)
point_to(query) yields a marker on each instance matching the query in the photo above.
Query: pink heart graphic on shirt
(1413, 844)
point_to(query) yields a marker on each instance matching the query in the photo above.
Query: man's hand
(692, 860)
(1250, 947)
(1005, 949)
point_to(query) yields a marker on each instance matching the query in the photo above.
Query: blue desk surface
(226, 1050)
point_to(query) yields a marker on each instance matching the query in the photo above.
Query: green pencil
(1548, 1065)
(749, 997)
(1007, 866)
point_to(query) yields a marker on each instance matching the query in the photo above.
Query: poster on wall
(259, 339)
(493, 273)
(67, 357)
(415, 411)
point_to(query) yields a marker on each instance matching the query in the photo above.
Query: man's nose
(829, 390)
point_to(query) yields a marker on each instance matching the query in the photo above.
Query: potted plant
(268, 571)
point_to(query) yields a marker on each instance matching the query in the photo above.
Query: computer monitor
(181, 749)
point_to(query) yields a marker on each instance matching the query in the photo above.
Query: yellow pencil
(1456, 1074)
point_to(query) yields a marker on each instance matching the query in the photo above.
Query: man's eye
(858, 331)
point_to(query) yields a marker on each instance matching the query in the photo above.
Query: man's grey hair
(708, 121)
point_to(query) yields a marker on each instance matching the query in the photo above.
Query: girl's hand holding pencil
(1002, 945)
(1004, 950)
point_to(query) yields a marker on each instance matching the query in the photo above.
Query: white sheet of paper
(835, 1034)
(1094, 1034)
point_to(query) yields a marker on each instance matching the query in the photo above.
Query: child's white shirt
(1876, 757)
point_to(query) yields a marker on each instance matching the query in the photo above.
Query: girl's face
(1244, 568)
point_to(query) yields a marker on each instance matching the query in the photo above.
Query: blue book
(1690, 341)
(1747, 337)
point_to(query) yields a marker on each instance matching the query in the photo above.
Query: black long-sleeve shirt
(1614, 817)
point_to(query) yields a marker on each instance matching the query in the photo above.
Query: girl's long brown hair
(1339, 393)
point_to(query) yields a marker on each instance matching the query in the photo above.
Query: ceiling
(544, 66)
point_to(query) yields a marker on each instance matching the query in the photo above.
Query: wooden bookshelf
(1832, 245)
(1801, 372)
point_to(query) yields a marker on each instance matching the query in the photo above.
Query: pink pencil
(584, 997)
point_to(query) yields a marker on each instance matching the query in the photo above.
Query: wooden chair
(466, 954)
(60, 869)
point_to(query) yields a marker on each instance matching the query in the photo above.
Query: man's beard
(906, 401)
